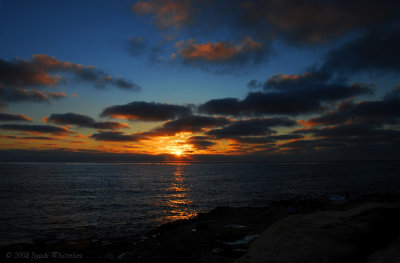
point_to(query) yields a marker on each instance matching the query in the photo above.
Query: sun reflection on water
(178, 201)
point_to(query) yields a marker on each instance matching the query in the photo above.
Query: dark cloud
(249, 27)
(319, 85)
(22, 95)
(37, 73)
(261, 103)
(345, 148)
(35, 129)
(227, 106)
(300, 21)
(30, 138)
(188, 124)
(146, 111)
(288, 94)
(375, 51)
(366, 129)
(251, 127)
(317, 21)
(14, 117)
(349, 138)
(200, 142)
(116, 136)
(386, 111)
(267, 139)
(84, 121)
(343, 131)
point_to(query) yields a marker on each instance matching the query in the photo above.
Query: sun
(178, 152)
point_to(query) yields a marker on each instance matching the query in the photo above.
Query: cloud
(226, 106)
(200, 142)
(267, 139)
(288, 94)
(29, 138)
(351, 136)
(377, 50)
(188, 124)
(115, 136)
(366, 129)
(317, 21)
(166, 13)
(372, 145)
(35, 129)
(27, 95)
(221, 57)
(304, 22)
(146, 111)
(251, 127)
(217, 52)
(57, 95)
(240, 32)
(84, 121)
(37, 72)
(385, 111)
(14, 117)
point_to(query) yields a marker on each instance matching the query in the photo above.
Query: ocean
(103, 200)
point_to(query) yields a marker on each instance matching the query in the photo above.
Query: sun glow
(176, 145)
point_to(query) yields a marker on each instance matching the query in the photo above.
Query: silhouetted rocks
(334, 236)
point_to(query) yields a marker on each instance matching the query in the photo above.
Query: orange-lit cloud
(14, 117)
(146, 111)
(167, 13)
(116, 136)
(81, 120)
(190, 124)
(40, 72)
(57, 95)
(190, 50)
(36, 129)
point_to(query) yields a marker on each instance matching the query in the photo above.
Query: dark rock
(334, 236)
(390, 254)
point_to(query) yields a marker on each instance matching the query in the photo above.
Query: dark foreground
(364, 229)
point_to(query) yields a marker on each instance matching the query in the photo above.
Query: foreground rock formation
(362, 234)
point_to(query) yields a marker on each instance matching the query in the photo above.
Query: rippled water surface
(81, 200)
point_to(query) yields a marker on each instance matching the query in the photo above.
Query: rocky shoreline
(283, 229)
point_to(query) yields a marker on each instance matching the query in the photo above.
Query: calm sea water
(93, 200)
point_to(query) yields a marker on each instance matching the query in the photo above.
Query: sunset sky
(200, 80)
